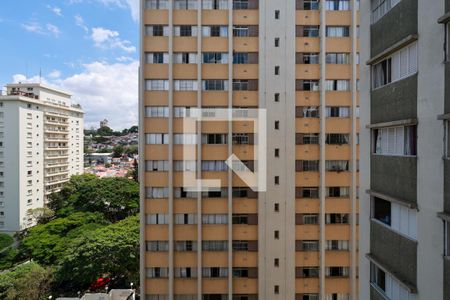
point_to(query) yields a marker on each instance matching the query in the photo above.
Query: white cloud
(54, 74)
(105, 38)
(56, 10)
(104, 90)
(33, 27)
(132, 5)
(124, 58)
(79, 21)
(54, 30)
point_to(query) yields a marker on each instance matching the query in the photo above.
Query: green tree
(26, 281)
(5, 240)
(132, 150)
(111, 251)
(118, 151)
(42, 214)
(46, 243)
(104, 131)
(133, 129)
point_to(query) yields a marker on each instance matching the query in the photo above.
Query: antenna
(40, 75)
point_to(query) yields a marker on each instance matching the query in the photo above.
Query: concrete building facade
(299, 61)
(405, 214)
(41, 146)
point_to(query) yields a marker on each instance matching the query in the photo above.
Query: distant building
(104, 123)
(41, 146)
(124, 294)
(103, 158)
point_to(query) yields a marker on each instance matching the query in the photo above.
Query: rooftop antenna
(40, 75)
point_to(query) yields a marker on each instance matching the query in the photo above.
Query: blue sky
(88, 47)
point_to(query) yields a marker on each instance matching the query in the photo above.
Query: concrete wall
(446, 278)
(394, 251)
(447, 186)
(397, 24)
(375, 295)
(447, 88)
(396, 101)
(401, 179)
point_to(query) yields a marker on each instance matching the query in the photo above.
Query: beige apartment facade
(297, 60)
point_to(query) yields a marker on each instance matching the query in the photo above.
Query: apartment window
(395, 141)
(277, 42)
(157, 4)
(337, 138)
(157, 219)
(156, 138)
(157, 272)
(223, 192)
(185, 58)
(215, 219)
(157, 192)
(185, 85)
(156, 85)
(337, 85)
(185, 4)
(399, 217)
(185, 138)
(215, 245)
(306, 219)
(245, 4)
(215, 272)
(307, 58)
(307, 112)
(337, 271)
(214, 139)
(337, 165)
(240, 31)
(245, 85)
(337, 218)
(276, 207)
(307, 192)
(185, 246)
(306, 165)
(447, 42)
(307, 245)
(277, 125)
(277, 70)
(337, 58)
(276, 262)
(185, 272)
(307, 4)
(156, 111)
(277, 180)
(308, 272)
(215, 4)
(276, 234)
(215, 85)
(337, 192)
(338, 5)
(185, 30)
(333, 245)
(277, 152)
(381, 7)
(277, 14)
(157, 246)
(276, 289)
(399, 65)
(306, 138)
(215, 31)
(181, 112)
(215, 58)
(447, 138)
(337, 31)
(185, 165)
(185, 219)
(157, 58)
(156, 30)
(447, 238)
(307, 31)
(276, 97)
(377, 277)
(338, 111)
(307, 85)
(243, 138)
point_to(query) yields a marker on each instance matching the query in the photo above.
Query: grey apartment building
(405, 150)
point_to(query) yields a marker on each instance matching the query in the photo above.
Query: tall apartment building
(41, 146)
(296, 59)
(405, 166)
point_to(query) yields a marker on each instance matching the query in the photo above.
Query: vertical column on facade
(353, 139)
(262, 196)
(170, 157)
(230, 149)
(322, 146)
(141, 146)
(199, 153)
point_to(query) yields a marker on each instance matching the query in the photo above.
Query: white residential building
(41, 146)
